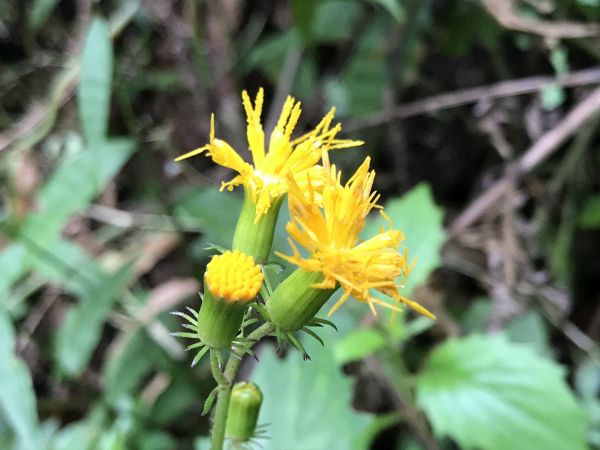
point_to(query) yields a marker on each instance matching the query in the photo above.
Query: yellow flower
(266, 179)
(328, 227)
(233, 276)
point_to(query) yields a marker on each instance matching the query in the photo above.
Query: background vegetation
(496, 188)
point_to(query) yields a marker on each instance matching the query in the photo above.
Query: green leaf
(215, 211)
(39, 12)
(488, 393)
(358, 343)
(529, 329)
(394, 7)
(269, 54)
(155, 440)
(421, 221)
(360, 90)
(93, 96)
(82, 434)
(82, 327)
(553, 96)
(334, 20)
(318, 409)
(17, 398)
(73, 185)
(590, 215)
(304, 12)
(587, 382)
(127, 367)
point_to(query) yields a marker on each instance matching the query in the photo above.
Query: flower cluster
(326, 219)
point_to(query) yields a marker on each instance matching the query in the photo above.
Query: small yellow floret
(233, 276)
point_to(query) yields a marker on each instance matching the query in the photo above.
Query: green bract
(295, 302)
(255, 238)
(219, 320)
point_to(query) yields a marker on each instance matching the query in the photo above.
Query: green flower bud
(231, 281)
(244, 407)
(254, 236)
(296, 301)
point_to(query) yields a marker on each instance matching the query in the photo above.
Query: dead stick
(465, 96)
(537, 153)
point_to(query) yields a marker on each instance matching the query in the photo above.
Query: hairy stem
(225, 380)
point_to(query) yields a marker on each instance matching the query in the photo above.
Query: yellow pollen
(233, 276)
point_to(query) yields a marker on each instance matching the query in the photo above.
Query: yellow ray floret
(266, 179)
(328, 228)
(233, 276)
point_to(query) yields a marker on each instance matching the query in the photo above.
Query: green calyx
(219, 320)
(252, 238)
(295, 302)
(244, 407)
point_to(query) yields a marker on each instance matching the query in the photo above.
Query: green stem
(231, 369)
(216, 369)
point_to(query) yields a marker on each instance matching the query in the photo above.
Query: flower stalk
(253, 234)
(224, 396)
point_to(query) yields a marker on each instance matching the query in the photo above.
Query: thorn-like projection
(192, 325)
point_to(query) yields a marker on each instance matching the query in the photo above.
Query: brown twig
(506, 14)
(542, 149)
(471, 95)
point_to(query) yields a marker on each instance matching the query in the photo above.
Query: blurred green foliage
(86, 361)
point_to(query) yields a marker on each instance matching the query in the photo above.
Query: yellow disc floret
(233, 276)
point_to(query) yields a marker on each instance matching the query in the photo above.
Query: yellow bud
(233, 276)
(231, 281)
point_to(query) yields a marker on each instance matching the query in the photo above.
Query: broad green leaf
(155, 440)
(215, 211)
(529, 329)
(17, 398)
(358, 343)
(129, 365)
(360, 90)
(93, 96)
(488, 393)
(467, 25)
(420, 219)
(183, 392)
(334, 20)
(14, 265)
(82, 327)
(307, 404)
(394, 7)
(39, 11)
(78, 435)
(587, 382)
(304, 13)
(73, 185)
(269, 54)
(590, 214)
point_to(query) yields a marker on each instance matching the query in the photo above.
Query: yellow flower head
(267, 177)
(327, 225)
(233, 276)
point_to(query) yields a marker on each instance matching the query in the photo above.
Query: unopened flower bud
(231, 281)
(244, 407)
